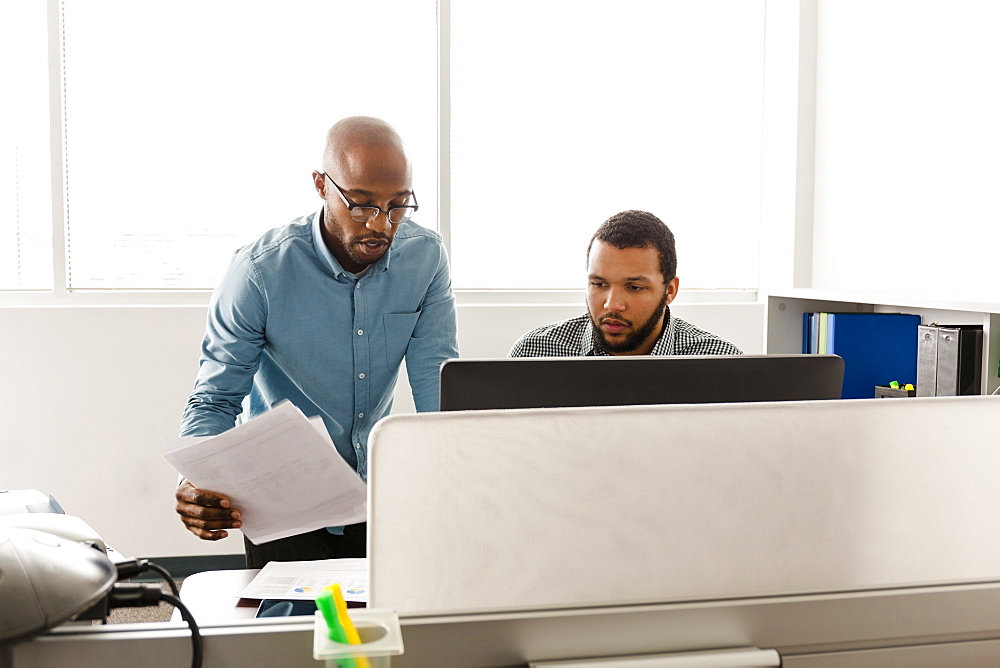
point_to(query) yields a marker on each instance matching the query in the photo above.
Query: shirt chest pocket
(398, 328)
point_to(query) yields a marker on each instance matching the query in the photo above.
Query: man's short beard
(633, 340)
(358, 257)
(349, 244)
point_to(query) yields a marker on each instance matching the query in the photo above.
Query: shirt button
(360, 332)
(361, 375)
(361, 415)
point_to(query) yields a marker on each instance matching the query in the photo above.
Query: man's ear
(672, 286)
(319, 182)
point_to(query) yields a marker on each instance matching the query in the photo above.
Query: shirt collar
(331, 262)
(663, 346)
(666, 344)
(587, 345)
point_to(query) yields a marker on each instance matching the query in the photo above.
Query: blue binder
(877, 348)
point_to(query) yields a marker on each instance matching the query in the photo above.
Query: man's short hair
(639, 229)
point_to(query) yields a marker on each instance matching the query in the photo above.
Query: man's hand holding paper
(279, 473)
(205, 514)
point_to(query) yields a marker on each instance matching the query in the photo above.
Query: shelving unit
(784, 319)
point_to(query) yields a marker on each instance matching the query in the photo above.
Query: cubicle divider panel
(556, 508)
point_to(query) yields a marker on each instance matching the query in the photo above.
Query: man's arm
(712, 345)
(557, 339)
(230, 355)
(521, 347)
(434, 340)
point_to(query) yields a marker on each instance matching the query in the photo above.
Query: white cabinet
(785, 309)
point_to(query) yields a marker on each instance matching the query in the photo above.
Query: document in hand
(281, 471)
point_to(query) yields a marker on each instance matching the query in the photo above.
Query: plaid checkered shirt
(575, 337)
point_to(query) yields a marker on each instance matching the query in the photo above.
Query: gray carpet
(147, 614)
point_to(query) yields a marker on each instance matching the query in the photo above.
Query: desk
(214, 596)
(919, 626)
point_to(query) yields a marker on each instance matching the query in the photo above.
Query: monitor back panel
(529, 509)
(477, 384)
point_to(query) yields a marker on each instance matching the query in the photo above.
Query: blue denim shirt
(288, 322)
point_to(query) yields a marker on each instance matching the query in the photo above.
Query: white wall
(906, 138)
(86, 393)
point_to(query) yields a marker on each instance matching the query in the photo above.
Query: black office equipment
(552, 382)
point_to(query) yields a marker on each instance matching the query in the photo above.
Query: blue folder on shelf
(877, 348)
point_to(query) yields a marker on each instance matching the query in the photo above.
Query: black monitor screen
(554, 382)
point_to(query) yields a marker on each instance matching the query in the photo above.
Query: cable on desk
(139, 595)
(128, 569)
(196, 642)
(166, 576)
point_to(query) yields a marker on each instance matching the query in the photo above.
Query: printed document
(280, 469)
(305, 580)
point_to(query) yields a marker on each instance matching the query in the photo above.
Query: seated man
(631, 266)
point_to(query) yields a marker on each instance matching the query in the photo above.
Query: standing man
(632, 267)
(321, 312)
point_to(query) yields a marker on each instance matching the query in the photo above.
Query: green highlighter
(328, 607)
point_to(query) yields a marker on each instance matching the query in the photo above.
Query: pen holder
(886, 392)
(381, 639)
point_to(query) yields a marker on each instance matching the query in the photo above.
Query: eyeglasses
(364, 213)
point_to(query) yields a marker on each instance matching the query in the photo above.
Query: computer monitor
(556, 382)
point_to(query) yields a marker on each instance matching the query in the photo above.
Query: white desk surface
(213, 596)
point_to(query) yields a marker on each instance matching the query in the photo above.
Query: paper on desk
(304, 580)
(281, 471)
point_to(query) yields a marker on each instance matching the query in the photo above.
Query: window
(192, 127)
(563, 114)
(25, 177)
(188, 128)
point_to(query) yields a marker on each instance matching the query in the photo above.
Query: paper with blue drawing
(304, 580)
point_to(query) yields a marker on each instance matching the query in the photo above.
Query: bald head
(364, 166)
(357, 135)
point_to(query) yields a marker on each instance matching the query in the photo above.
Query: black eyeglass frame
(351, 206)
